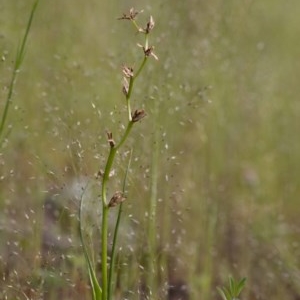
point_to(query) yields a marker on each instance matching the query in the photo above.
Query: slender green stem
(104, 250)
(125, 136)
(129, 110)
(128, 98)
(130, 88)
(113, 253)
(115, 236)
(109, 163)
(107, 282)
(146, 41)
(153, 204)
(110, 160)
(141, 67)
(95, 288)
(18, 62)
(136, 25)
(105, 209)
(104, 232)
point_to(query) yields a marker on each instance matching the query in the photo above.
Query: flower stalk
(118, 197)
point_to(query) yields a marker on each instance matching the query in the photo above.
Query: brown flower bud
(116, 199)
(110, 139)
(127, 71)
(149, 51)
(138, 115)
(131, 15)
(150, 25)
(125, 88)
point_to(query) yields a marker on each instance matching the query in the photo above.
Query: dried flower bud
(116, 199)
(149, 51)
(99, 174)
(150, 25)
(110, 139)
(127, 71)
(138, 115)
(131, 15)
(125, 88)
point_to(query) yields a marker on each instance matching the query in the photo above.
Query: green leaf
(227, 293)
(231, 286)
(240, 286)
(222, 294)
(233, 290)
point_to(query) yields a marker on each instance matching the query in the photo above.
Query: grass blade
(240, 286)
(96, 289)
(231, 286)
(18, 61)
(116, 231)
(222, 294)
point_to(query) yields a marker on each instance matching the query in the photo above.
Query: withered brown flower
(116, 199)
(127, 71)
(150, 25)
(131, 15)
(110, 139)
(149, 51)
(138, 115)
(125, 88)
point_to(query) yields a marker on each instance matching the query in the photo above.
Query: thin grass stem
(125, 136)
(18, 62)
(116, 232)
(104, 250)
(105, 208)
(141, 67)
(152, 234)
(107, 281)
(95, 287)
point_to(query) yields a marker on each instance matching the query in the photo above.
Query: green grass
(16, 69)
(222, 113)
(233, 290)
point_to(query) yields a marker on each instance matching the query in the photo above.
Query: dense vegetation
(217, 155)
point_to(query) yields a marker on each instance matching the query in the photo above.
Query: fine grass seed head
(116, 199)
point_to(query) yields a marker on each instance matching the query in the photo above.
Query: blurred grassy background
(223, 108)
